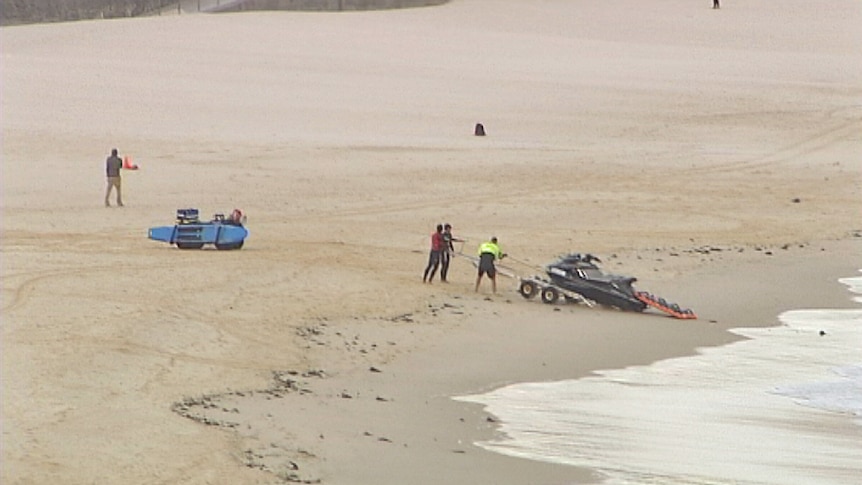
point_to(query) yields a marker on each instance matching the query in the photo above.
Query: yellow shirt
(491, 248)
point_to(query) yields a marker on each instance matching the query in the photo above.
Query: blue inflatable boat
(190, 233)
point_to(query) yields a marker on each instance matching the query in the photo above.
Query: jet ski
(577, 277)
(579, 273)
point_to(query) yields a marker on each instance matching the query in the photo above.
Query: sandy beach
(715, 155)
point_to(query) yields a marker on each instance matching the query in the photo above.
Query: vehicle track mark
(810, 144)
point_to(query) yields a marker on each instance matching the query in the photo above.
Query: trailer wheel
(190, 245)
(227, 247)
(550, 294)
(528, 289)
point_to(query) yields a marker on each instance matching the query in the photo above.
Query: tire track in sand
(811, 144)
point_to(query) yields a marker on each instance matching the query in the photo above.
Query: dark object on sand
(480, 130)
(577, 277)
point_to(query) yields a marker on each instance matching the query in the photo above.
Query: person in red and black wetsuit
(435, 254)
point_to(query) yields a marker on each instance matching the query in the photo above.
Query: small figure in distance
(716, 4)
(448, 250)
(434, 255)
(488, 253)
(113, 165)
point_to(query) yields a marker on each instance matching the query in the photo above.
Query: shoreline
(405, 426)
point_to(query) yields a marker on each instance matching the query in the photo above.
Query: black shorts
(486, 265)
(434, 258)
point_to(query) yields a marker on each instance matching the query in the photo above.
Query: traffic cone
(128, 165)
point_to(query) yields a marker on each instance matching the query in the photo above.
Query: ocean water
(783, 407)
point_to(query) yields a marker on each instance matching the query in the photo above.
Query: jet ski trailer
(577, 278)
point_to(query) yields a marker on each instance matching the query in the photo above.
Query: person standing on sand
(715, 4)
(448, 250)
(488, 253)
(434, 255)
(113, 165)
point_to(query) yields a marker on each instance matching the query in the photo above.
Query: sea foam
(780, 407)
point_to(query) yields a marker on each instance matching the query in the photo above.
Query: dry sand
(650, 133)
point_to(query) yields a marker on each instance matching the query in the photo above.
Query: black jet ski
(576, 276)
(580, 274)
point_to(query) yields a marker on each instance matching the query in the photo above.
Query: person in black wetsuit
(448, 250)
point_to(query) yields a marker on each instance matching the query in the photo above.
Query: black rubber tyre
(190, 245)
(550, 294)
(528, 289)
(228, 247)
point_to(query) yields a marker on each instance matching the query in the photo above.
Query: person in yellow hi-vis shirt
(488, 253)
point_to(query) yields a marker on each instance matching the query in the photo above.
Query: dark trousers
(433, 264)
(444, 264)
